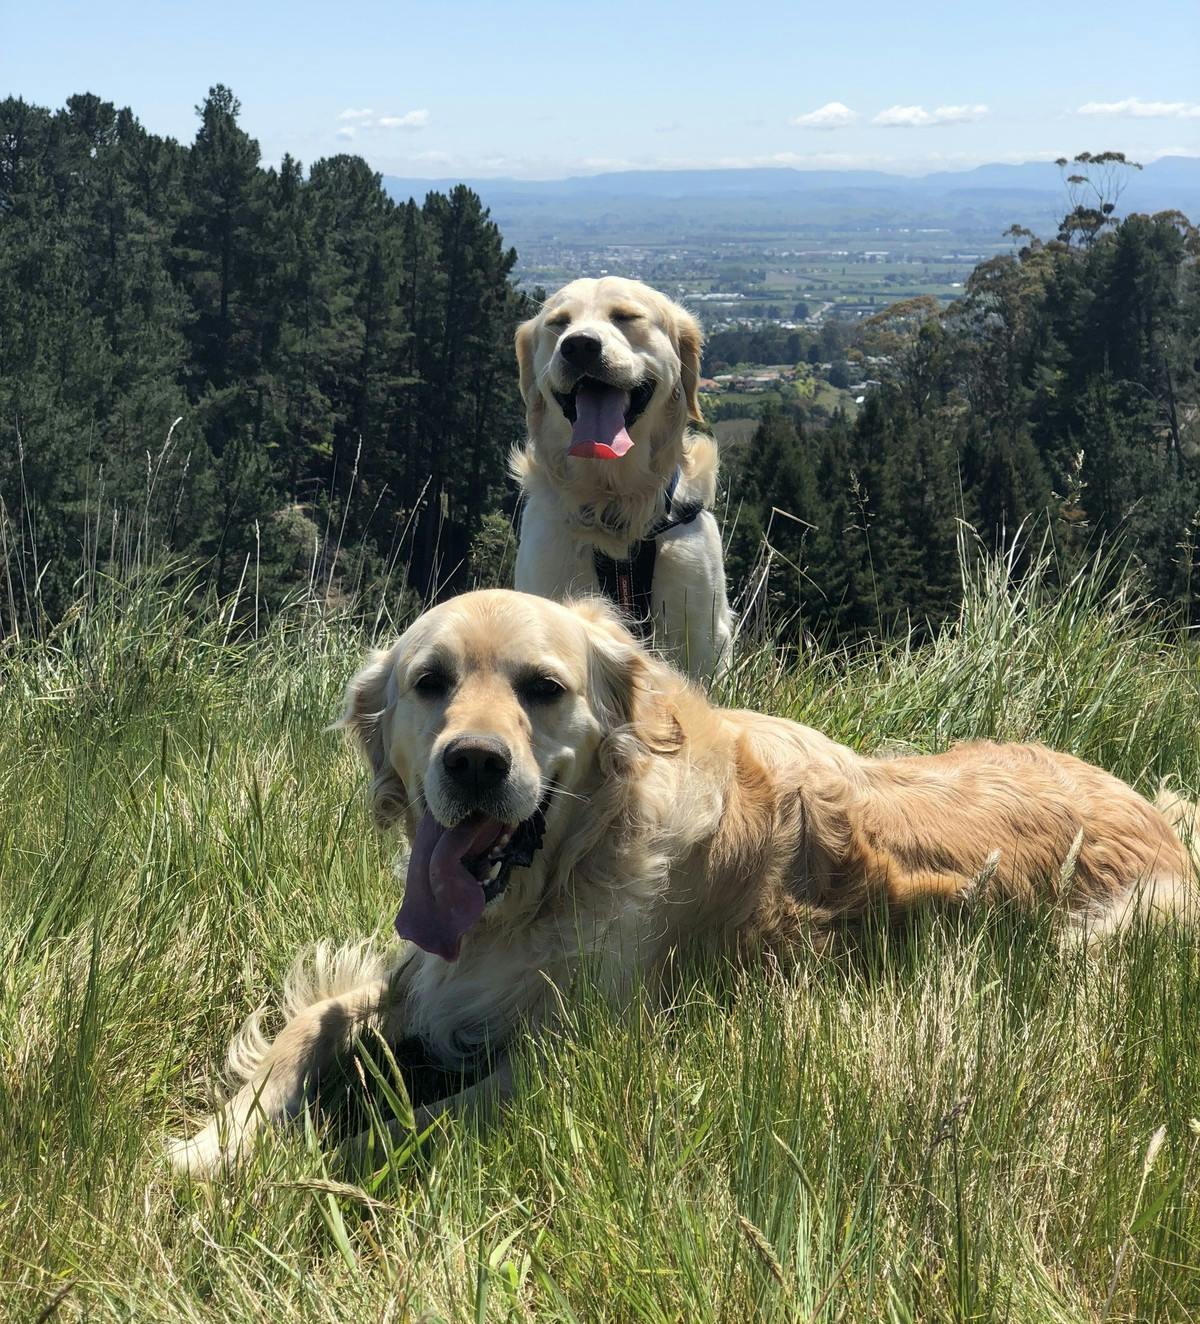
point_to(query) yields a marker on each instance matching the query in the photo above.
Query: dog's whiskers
(562, 793)
(417, 802)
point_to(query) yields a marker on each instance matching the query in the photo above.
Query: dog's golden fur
(676, 826)
(664, 340)
(576, 506)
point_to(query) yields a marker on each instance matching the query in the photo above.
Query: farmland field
(834, 271)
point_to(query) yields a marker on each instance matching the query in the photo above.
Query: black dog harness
(629, 581)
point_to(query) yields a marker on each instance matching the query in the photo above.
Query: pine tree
(781, 510)
(470, 408)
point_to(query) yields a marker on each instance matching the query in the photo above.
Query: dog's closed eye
(431, 684)
(540, 688)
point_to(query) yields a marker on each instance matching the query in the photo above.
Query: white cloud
(917, 117)
(413, 119)
(832, 115)
(1136, 108)
(960, 114)
(432, 158)
(353, 120)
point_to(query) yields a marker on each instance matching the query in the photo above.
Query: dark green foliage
(1061, 392)
(340, 366)
(762, 344)
(839, 375)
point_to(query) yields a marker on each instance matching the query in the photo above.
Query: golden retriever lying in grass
(617, 484)
(566, 794)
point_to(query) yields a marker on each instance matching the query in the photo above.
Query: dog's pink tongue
(599, 431)
(442, 898)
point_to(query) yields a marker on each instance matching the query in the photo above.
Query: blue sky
(544, 90)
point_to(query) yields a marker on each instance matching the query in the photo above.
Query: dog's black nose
(476, 763)
(580, 349)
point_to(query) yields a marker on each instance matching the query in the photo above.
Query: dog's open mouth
(601, 416)
(453, 872)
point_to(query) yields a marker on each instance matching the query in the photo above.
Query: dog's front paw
(216, 1147)
(197, 1156)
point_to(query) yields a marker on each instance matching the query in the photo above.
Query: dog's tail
(1173, 894)
(1182, 814)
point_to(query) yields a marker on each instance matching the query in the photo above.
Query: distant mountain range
(1168, 174)
(639, 203)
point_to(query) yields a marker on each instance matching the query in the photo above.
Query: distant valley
(833, 242)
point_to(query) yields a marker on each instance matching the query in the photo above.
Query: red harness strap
(629, 580)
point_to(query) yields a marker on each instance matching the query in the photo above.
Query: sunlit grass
(959, 1122)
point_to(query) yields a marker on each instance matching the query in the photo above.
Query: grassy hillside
(960, 1123)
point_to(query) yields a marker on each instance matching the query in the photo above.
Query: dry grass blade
(761, 1247)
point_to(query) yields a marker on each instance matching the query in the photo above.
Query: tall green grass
(962, 1122)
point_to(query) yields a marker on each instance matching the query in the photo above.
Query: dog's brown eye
(625, 315)
(541, 689)
(557, 323)
(431, 684)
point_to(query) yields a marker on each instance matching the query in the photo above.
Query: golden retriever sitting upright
(566, 794)
(617, 487)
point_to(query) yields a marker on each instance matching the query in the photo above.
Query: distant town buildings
(769, 377)
(744, 284)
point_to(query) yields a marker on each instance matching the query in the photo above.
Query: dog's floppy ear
(690, 340)
(526, 335)
(614, 666)
(363, 715)
(621, 682)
